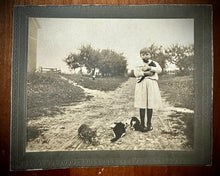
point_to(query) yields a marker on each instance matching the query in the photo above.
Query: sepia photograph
(110, 84)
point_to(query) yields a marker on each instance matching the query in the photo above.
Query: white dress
(147, 93)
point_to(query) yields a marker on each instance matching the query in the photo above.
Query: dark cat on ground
(135, 124)
(87, 135)
(119, 130)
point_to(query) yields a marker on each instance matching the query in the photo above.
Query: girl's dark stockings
(142, 116)
(149, 117)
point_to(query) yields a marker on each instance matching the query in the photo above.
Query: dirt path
(59, 133)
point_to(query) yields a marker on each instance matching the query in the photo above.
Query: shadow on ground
(181, 122)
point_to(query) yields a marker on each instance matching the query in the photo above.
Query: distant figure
(93, 74)
(147, 93)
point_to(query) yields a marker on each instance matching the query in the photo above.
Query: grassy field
(103, 84)
(179, 90)
(47, 94)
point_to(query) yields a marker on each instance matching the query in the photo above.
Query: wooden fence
(49, 70)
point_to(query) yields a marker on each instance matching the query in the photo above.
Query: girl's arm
(149, 73)
(157, 68)
(138, 72)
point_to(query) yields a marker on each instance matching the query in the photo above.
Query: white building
(32, 44)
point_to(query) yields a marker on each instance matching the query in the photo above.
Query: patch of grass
(47, 92)
(182, 122)
(179, 90)
(100, 83)
(33, 133)
(188, 131)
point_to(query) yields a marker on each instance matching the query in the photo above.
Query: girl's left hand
(148, 73)
(146, 68)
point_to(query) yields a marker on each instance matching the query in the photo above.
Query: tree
(108, 62)
(112, 63)
(73, 61)
(90, 58)
(182, 57)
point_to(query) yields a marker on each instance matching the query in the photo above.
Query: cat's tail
(115, 139)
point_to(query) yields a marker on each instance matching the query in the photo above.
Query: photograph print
(110, 84)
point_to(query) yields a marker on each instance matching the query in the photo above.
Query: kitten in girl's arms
(147, 71)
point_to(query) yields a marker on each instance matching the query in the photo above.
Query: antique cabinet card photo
(111, 86)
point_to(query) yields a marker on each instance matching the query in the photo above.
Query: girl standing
(147, 93)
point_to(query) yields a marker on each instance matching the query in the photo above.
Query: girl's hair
(143, 51)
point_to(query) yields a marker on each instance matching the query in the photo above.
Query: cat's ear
(152, 64)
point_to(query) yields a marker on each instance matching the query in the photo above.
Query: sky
(58, 37)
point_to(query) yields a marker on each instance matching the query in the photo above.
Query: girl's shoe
(144, 129)
(149, 128)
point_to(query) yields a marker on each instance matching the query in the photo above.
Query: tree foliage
(89, 57)
(182, 57)
(73, 61)
(112, 63)
(108, 62)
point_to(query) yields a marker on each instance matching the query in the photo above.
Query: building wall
(32, 45)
